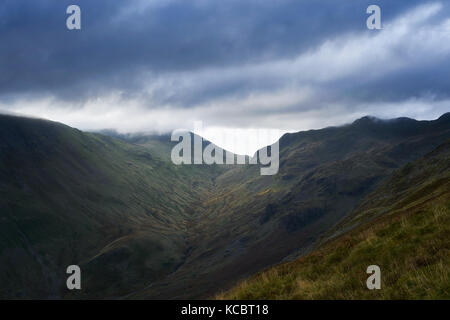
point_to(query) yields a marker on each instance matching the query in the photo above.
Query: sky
(279, 65)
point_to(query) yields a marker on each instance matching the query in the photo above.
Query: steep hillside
(254, 221)
(141, 227)
(69, 197)
(403, 227)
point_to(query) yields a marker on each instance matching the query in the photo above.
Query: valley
(143, 228)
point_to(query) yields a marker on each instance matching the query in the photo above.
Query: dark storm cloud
(38, 53)
(200, 53)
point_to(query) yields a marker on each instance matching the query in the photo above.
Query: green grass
(411, 248)
(128, 216)
(68, 196)
(403, 227)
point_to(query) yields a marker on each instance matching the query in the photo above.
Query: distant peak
(374, 120)
(445, 117)
(366, 119)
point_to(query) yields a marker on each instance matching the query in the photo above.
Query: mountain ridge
(131, 218)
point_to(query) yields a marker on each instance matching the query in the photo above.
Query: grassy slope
(403, 226)
(254, 221)
(143, 228)
(69, 197)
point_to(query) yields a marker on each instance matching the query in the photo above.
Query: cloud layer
(160, 65)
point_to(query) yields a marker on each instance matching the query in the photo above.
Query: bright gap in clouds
(237, 140)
